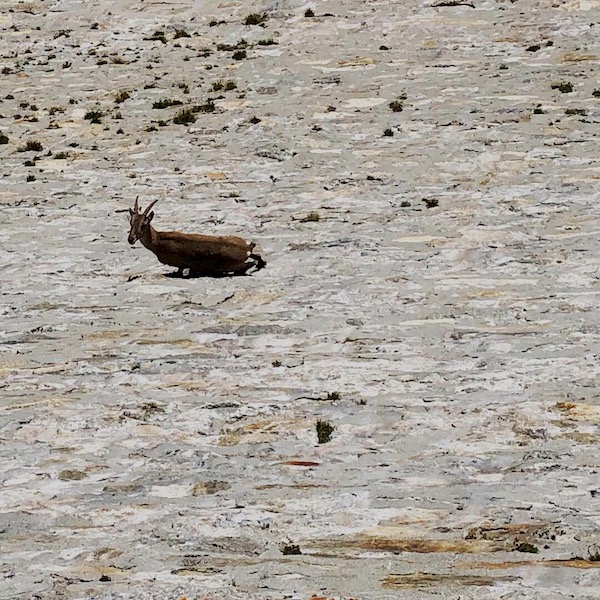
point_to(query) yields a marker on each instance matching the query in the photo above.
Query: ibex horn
(150, 206)
(136, 208)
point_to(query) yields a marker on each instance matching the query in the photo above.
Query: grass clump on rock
(158, 36)
(564, 87)
(311, 217)
(121, 96)
(166, 102)
(184, 117)
(324, 431)
(31, 146)
(527, 547)
(207, 107)
(256, 19)
(290, 549)
(94, 116)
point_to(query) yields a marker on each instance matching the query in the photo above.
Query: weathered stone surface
(430, 292)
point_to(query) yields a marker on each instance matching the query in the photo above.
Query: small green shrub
(311, 217)
(290, 549)
(564, 87)
(526, 547)
(184, 117)
(31, 146)
(324, 431)
(256, 19)
(121, 96)
(94, 116)
(166, 102)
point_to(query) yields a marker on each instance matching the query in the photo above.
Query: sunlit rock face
(402, 403)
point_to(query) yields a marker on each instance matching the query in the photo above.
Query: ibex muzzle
(202, 254)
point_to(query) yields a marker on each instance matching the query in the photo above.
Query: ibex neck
(149, 237)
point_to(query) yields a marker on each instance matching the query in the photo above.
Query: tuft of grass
(388, 132)
(333, 396)
(405, 204)
(3, 139)
(207, 107)
(277, 363)
(309, 12)
(527, 547)
(564, 87)
(181, 33)
(311, 217)
(324, 431)
(158, 35)
(55, 109)
(430, 202)
(31, 146)
(230, 47)
(166, 102)
(256, 19)
(93, 116)
(30, 177)
(184, 117)
(290, 549)
(396, 106)
(121, 96)
(239, 55)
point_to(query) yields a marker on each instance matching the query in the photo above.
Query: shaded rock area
(422, 179)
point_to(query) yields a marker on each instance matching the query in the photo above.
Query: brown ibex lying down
(203, 255)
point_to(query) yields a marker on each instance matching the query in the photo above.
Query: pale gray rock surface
(157, 435)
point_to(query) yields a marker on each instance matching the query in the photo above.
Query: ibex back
(207, 255)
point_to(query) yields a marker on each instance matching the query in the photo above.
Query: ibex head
(139, 221)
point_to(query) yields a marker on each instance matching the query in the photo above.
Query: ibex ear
(150, 216)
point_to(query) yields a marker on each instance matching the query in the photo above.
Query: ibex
(203, 255)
